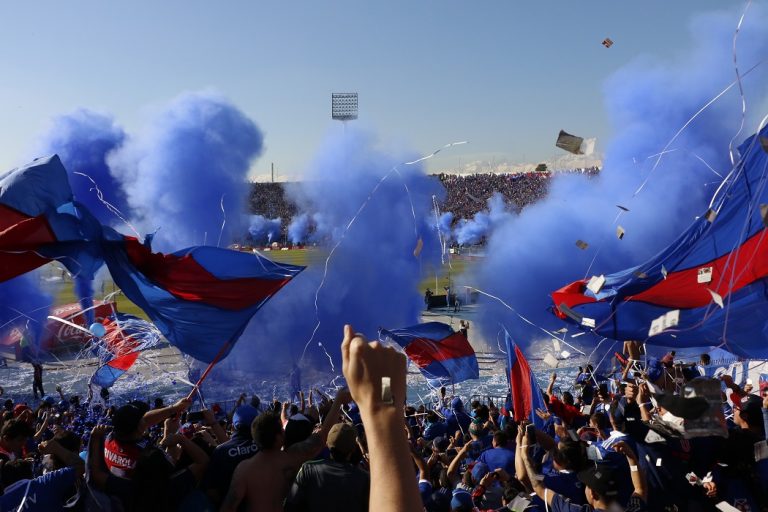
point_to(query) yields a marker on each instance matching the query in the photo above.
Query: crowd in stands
(618, 444)
(466, 194)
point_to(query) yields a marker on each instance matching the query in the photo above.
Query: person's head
(432, 417)
(567, 455)
(704, 359)
(151, 479)
(267, 431)
(599, 421)
(255, 401)
(476, 429)
(457, 404)
(13, 471)
(242, 419)
(748, 414)
(342, 441)
(126, 421)
(298, 428)
(568, 398)
(70, 442)
(461, 501)
(159, 403)
(601, 485)
(500, 439)
(14, 434)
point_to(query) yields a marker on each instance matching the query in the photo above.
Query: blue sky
(504, 75)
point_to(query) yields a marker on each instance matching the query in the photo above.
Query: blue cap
(457, 404)
(479, 470)
(461, 500)
(244, 416)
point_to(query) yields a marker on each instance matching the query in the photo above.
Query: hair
(569, 455)
(705, 358)
(150, 477)
(14, 429)
(265, 430)
(14, 471)
(432, 417)
(601, 420)
(568, 398)
(500, 438)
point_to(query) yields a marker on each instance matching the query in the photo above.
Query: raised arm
(156, 416)
(636, 472)
(97, 470)
(376, 379)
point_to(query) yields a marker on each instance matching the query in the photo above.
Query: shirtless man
(263, 481)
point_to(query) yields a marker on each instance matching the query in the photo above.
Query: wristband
(633, 468)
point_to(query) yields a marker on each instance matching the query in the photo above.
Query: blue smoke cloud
(83, 139)
(444, 223)
(472, 231)
(23, 306)
(373, 275)
(263, 229)
(533, 254)
(195, 152)
(298, 229)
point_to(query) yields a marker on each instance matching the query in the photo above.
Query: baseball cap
(601, 479)
(244, 416)
(479, 470)
(461, 500)
(342, 437)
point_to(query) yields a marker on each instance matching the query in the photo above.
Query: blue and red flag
(40, 222)
(442, 355)
(723, 256)
(200, 298)
(525, 391)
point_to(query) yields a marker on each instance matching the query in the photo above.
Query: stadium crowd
(465, 194)
(610, 445)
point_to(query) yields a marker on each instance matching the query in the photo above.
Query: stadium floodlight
(344, 106)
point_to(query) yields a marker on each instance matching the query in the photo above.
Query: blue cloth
(499, 458)
(433, 430)
(47, 493)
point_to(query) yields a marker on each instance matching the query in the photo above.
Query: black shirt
(328, 486)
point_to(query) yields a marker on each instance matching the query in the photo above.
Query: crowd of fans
(623, 444)
(465, 194)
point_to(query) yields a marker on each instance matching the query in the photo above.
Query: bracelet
(633, 468)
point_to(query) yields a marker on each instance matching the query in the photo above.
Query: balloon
(97, 329)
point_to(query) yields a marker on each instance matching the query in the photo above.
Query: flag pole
(215, 360)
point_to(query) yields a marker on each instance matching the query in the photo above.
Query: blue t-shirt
(499, 458)
(46, 493)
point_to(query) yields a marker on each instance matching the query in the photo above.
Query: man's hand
(543, 414)
(364, 366)
(182, 405)
(623, 448)
(99, 431)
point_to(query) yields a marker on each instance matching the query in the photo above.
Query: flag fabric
(525, 390)
(712, 278)
(442, 355)
(200, 298)
(107, 374)
(40, 222)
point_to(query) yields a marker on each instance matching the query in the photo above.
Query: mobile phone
(195, 417)
(530, 434)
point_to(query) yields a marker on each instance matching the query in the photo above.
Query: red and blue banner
(524, 389)
(723, 256)
(200, 298)
(442, 355)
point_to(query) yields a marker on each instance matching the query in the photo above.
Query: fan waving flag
(442, 355)
(200, 298)
(525, 390)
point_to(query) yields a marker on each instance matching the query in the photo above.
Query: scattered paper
(711, 215)
(419, 247)
(704, 275)
(764, 213)
(716, 298)
(664, 271)
(581, 244)
(607, 42)
(556, 343)
(622, 207)
(588, 322)
(596, 283)
(620, 232)
(550, 361)
(640, 275)
(565, 354)
(654, 437)
(726, 507)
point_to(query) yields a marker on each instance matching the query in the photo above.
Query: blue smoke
(195, 152)
(533, 254)
(444, 223)
(298, 229)
(83, 139)
(472, 231)
(24, 306)
(263, 229)
(373, 275)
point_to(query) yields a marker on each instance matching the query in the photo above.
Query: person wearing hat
(228, 455)
(335, 484)
(601, 484)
